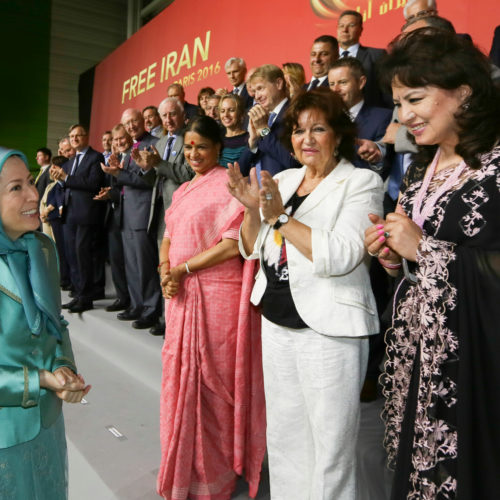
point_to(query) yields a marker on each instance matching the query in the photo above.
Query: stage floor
(113, 443)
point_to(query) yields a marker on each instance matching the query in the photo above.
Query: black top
(277, 302)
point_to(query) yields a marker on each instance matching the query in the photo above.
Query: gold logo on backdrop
(328, 9)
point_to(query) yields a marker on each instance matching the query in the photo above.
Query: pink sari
(212, 409)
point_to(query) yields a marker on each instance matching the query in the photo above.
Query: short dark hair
(335, 112)
(350, 62)
(354, 13)
(59, 160)
(328, 39)
(154, 108)
(206, 127)
(433, 57)
(45, 151)
(106, 132)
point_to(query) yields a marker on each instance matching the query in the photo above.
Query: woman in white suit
(307, 228)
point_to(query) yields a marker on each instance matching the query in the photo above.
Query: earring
(465, 106)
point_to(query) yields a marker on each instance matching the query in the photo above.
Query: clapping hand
(114, 166)
(103, 194)
(247, 193)
(146, 159)
(58, 173)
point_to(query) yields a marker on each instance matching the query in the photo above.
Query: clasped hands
(146, 159)
(66, 384)
(266, 197)
(393, 238)
(171, 279)
(257, 121)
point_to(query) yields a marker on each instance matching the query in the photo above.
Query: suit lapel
(335, 178)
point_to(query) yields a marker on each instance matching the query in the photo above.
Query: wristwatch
(265, 131)
(282, 219)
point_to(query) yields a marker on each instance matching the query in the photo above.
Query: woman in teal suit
(37, 368)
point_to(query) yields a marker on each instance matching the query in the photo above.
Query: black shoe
(72, 293)
(81, 306)
(128, 315)
(66, 287)
(158, 329)
(70, 304)
(144, 322)
(117, 305)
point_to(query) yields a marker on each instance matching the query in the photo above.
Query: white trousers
(312, 384)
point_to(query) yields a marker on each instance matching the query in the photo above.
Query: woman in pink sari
(212, 401)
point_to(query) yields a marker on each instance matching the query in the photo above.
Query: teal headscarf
(29, 268)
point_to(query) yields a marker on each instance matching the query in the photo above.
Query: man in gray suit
(166, 170)
(140, 249)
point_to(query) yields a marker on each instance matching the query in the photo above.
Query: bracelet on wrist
(187, 267)
(388, 265)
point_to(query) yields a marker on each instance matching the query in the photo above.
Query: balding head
(133, 122)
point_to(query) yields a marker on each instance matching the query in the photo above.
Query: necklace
(420, 213)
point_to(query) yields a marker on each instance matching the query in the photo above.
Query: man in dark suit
(265, 150)
(177, 90)
(349, 29)
(236, 70)
(82, 179)
(347, 79)
(140, 249)
(324, 51)
(43, 156)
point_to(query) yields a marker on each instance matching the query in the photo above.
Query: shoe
(81, 306)
(66, 287)
(69, 304)
(128, 315)
(158, 329)
(72, 293)
(144, 322)
(117, 305)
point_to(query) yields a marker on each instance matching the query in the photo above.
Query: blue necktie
(75, 164)
(168, 149)
(313, 84)
(345, 53)
(396, 176)
(270, 121)
(271, 118)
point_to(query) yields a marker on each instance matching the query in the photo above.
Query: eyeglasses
(421, 13)
(74, 136)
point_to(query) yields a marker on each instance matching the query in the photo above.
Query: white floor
(113, 443)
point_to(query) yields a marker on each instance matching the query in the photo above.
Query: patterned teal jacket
(24, 406)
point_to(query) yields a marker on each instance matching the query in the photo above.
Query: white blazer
(332, 293)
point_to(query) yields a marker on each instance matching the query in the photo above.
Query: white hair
(431, 4)
(176, 101)
(238, 60)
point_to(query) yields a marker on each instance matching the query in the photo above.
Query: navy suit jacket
(368, 56)
(190, 110)
(272, 154)
(372, 123)
(83, 185)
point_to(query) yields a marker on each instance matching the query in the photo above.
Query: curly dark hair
(336, 114)
(207, 127)
(433, 57)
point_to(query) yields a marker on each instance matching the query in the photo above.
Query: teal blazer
(24, 406)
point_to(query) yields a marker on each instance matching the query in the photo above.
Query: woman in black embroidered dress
(442, 375)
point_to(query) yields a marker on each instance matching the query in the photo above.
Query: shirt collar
(353, 50)
(279, 107)
(354, 111)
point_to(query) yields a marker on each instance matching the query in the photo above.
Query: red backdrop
(190, 41)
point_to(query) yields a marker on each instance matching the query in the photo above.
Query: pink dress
(212, 409)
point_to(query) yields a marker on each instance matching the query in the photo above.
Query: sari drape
(212, 407)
